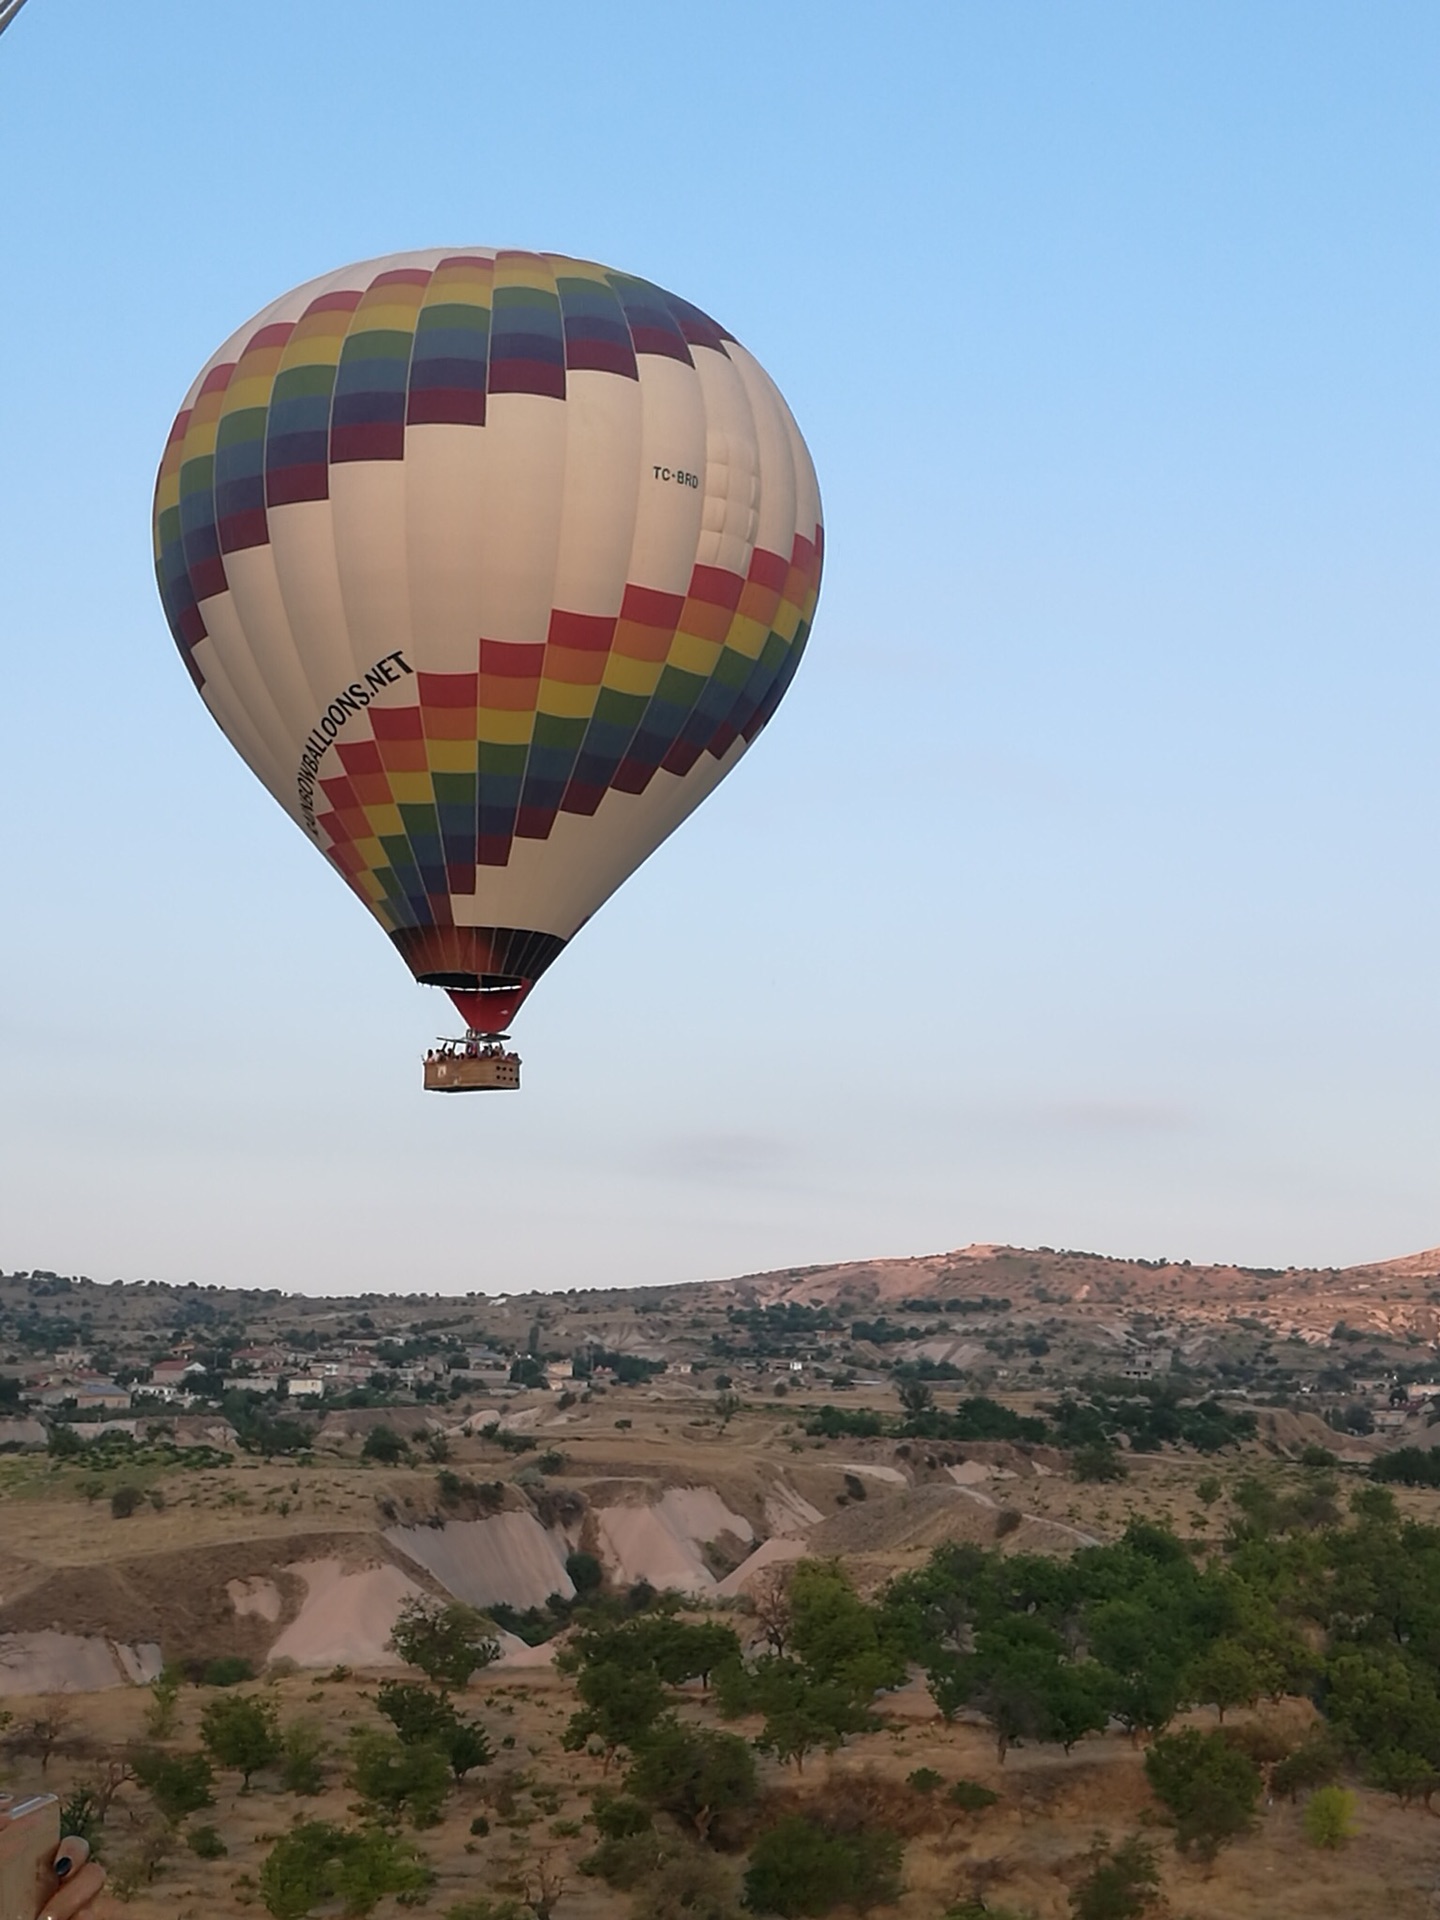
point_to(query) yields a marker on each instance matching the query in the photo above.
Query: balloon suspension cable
(8, 11)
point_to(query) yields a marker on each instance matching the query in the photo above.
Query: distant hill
(1395, 1297)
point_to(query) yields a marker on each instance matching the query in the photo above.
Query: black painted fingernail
(62, 1866)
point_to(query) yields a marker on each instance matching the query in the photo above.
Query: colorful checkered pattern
(435, 784)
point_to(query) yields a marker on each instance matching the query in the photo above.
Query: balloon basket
(480, 1063)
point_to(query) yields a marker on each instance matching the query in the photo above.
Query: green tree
(397, 1779)
(1382, 1699)
(674, 1650)
(178, 1783)
(630, 1850)
(695, 1773)
(689, 1884)
(798, 1868)
(1123, 1883)
(1226, 1675)
(1208, 1786)
(303, 1749)
(164, 1703)
(1314, 1763)
(620, 1705)
(916, 1398)
(318, 1863)
(467, 1747)
(1021, 1681)
(586, 1573)
(418, 1714)
(241, 1732)
(1375, 1503)
(384, 1445)
(444, 1639)
(1409, 1776)
(1329, 1818)
(1100, 1461)
(684, 1651)
(802, 1714)
(837, 1637)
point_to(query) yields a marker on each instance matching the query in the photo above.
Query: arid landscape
(557, 1469)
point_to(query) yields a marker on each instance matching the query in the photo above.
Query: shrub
(82, 1815)
(418, 1714)
(126, 1500)
(924, 1780)
(585, 1571)
(317, 1862)
(798, 1868)
(395, 1778)
(695, 1773)
(205, 1843)
(617, 1817)
(384, 1445)
(178, 1783)
(164, 1700)
(1329, 1818)
(143, 1861)
(447, 1642)
(241, 1732)
(1409, 1776)
(691, 1885)
(1123, 1883)
(623, 1861)
(226, 1671)
(1209, 1786)
(1099, 1462)
(1410, 1466)
(1314, 1763)
(970, 1797)
(303, 1747)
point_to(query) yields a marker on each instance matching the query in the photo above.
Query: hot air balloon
(490, 565)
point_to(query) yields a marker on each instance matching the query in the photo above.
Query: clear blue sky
(1084, 890)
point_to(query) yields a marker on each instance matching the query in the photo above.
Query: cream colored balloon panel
(494, 563)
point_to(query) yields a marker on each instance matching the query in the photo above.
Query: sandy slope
(507, 1558)
(50, 1662)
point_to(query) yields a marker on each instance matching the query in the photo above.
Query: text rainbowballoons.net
(490, 565)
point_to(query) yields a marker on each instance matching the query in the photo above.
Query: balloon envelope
(490, 565)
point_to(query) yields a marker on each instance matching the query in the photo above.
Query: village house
(88, 1395)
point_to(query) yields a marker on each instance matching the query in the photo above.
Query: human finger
(76, 1892)
(71, 1854)
(67, 1859)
